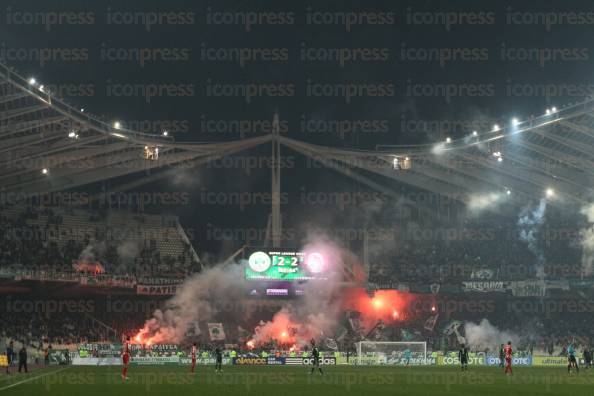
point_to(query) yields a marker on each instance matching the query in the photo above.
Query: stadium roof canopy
(48, 145)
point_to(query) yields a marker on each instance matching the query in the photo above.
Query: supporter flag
(435, 288)
(452, 327)
(216, 331)
(430, 322)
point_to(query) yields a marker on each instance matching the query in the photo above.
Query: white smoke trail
(529, 221)
(587, 241)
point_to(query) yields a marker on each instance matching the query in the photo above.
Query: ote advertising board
(516, 361)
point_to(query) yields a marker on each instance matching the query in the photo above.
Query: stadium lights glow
(550, 192)
(499, 159)
(439, 148)
(165, 133)
(45, 171)
(117, 125)
(495, 128)
(32, 81)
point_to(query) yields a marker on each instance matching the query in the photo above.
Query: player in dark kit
(219, 360)
(501, 356)
(316, 360)
(587, 358)
(9, 356)
(463, 356)
(23, 359)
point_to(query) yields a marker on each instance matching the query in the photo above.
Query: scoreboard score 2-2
(284, 265)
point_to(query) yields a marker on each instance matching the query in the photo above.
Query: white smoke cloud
(199, 298)
(128, 250)
(205, 297)
(478, 202)
(484, 335)
(92, 251)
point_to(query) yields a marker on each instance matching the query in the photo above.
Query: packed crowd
(30, 244)
(507, 249)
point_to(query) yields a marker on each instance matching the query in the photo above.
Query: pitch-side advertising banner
(155, 360)
(453, 360)
(305, 361)
(259, 361)
(516, 361)
(549, 361)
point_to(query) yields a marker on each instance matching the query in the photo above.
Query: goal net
(391, 353)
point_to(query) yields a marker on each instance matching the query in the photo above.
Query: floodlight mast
(274, 229)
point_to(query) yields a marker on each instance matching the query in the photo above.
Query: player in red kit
(508, 357)
(125, 358)
(193, 357)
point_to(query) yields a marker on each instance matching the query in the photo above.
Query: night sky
(384, 72)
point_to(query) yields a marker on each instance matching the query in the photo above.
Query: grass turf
(292, 380)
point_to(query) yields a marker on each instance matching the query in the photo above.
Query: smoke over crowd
(218, 293)
(530, 221)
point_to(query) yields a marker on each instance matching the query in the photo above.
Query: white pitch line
(32, 378)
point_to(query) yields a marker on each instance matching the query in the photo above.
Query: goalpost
(391, 353)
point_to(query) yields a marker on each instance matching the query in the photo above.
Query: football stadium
(271, 198)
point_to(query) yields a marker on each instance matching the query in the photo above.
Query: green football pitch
(291, 380)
